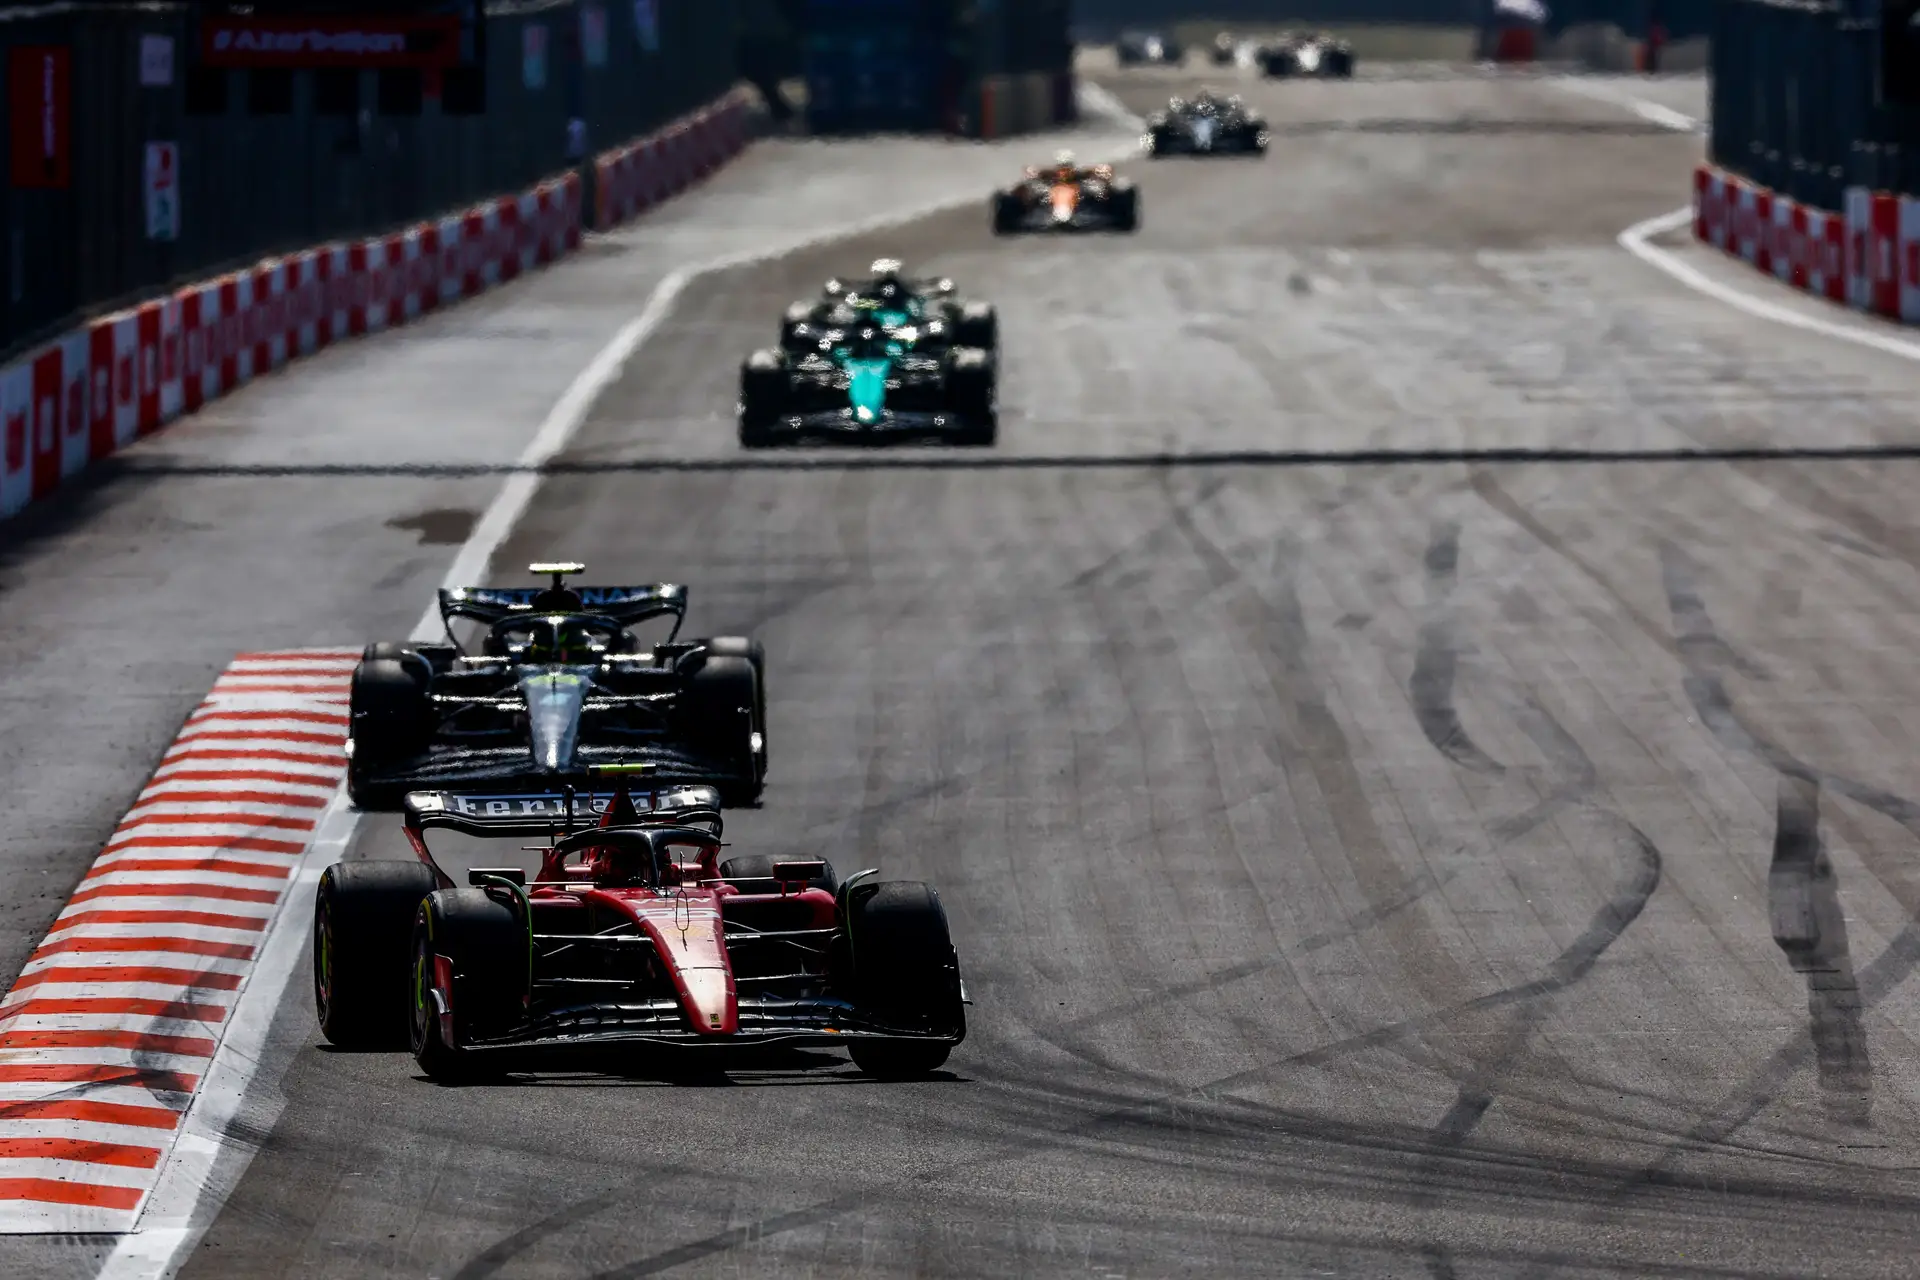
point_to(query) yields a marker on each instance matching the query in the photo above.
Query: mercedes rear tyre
(905, 978)
(362, 925)
(718, 718)
(756, 653)
(389, 718)
(472, 957)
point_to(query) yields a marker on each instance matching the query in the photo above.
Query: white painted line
(1637, 240)
(1653, 112)
(187, 1197)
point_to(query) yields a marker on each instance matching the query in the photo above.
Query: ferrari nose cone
(555, 699)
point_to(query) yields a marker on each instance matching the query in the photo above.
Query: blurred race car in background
(1063, 196)
(1230, 50)
(1318, 54)
(560, 682)
(1208, 124)
(1148, 48)
(865, 384)
(929, 307)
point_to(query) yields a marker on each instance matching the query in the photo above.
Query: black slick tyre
(978, 325)
(486, 951)
(1006, 214)
(905, 977)
(756, 653)
(763, 396)
(362, 928)
(1126, 208)
(389, 716)
(717, 715)
(970, 393)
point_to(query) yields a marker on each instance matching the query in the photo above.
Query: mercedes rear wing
(624, 605)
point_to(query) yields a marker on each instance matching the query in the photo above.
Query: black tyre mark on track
(1436, 662)
(1803, 896)
(972, 461)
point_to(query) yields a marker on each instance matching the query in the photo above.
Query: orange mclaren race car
(1064, 196)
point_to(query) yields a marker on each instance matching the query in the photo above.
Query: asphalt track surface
(1368, 866)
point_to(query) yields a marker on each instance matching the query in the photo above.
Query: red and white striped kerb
(108, 1033)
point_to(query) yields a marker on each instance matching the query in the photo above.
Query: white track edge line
(152, 1252)
(1637, 240)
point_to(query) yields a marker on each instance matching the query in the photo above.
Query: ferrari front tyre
(472, 954)
(362, 925)
(906, 977)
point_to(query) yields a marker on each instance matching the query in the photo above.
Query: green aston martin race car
(865, 384)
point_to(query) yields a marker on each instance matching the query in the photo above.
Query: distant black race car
(1148, 48)
(1317, 55)
(1206, 125)
(926, 310)
(560, 683)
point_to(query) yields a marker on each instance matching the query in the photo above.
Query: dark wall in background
(1681, 17)
(268, 167)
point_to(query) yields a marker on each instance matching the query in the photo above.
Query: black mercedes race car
(1148, 48)
(560, 682)
(1203, 126)
(639, 931)
(926, 312)
(1320, 54)
(1063, 196)
(866, 384)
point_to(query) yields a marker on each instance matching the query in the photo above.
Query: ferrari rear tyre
(905, 975)
(362, 925)
(487, 951)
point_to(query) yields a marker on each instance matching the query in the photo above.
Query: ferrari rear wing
(537, 814)
(625, 605)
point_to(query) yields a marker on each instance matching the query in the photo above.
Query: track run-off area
(1410, 725)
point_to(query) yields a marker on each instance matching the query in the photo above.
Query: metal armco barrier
(257, 174)
(83, 394)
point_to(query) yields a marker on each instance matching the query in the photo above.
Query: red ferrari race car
(633, 933)
(1066, 197)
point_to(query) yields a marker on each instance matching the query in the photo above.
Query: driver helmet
(1064, 160)
(886, 285)
(563, 642)
(866, 341)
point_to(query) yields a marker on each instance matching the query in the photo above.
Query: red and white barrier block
(632, 179)
(110, 1028)
(1866, 255)
(96, 390)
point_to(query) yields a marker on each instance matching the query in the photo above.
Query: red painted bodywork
(684, 917)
